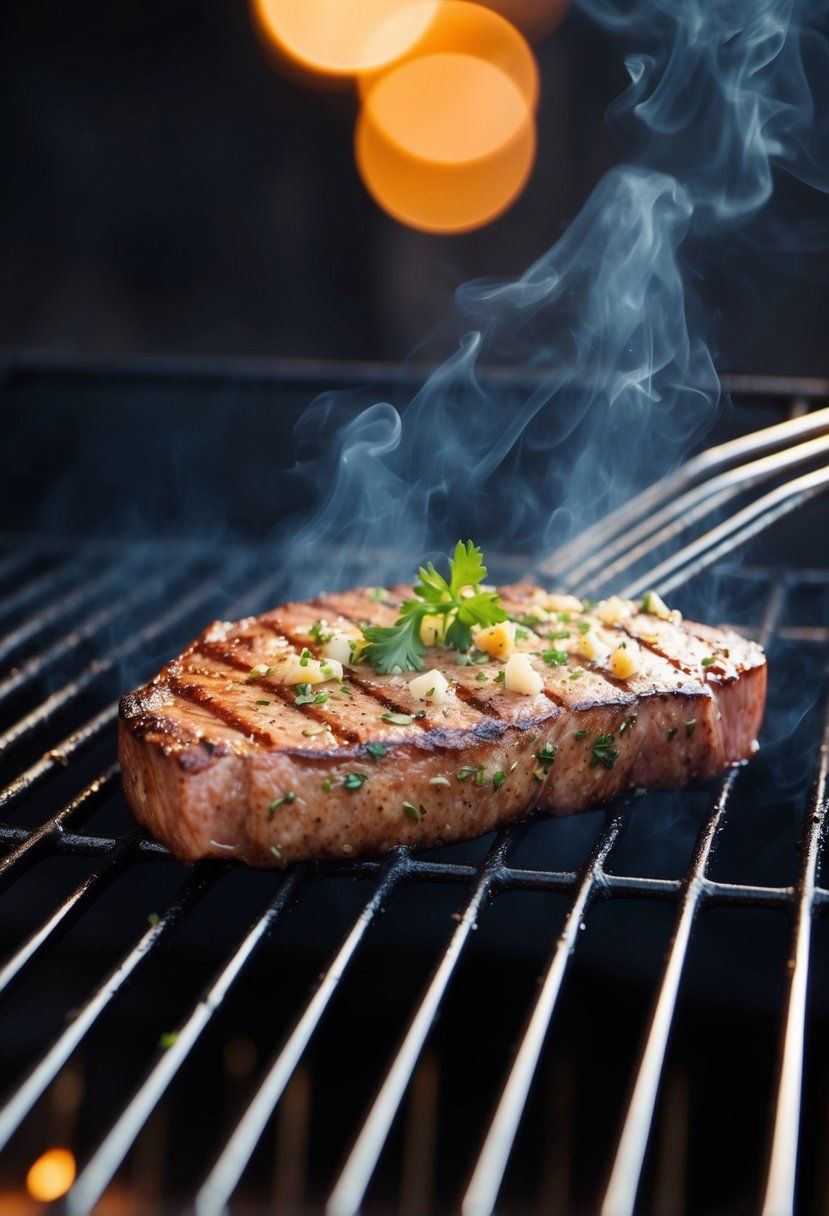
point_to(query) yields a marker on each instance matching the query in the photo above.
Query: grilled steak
(222, 757)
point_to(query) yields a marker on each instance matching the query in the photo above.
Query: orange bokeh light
(534, 18)
(446, 142)
(51, 1175)
(459, 27)
(339, 38)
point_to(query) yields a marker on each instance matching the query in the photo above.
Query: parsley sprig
(399, 647)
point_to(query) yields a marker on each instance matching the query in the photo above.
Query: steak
(222, 758)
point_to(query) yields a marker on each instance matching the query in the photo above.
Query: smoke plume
(610, 375)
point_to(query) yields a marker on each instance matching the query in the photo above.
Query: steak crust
(219, 760)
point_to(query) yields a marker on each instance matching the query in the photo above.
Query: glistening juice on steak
(427, 714)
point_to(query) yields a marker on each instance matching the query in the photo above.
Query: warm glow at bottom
(51, 1175)
(445, 143)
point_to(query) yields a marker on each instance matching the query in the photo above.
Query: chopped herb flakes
(604, 753)
(672, 730)
(304, 696)
(521, 635)
(501, 677)
(319, 728)
(319, 633)
(258, 672)
(153, 919)
(345, 690)
(481, 677)
(575, 675)
(326, 785)
(583, 627)
(558, 634)
(397, 719)
(498, 778)
(277, 852)
(689, 727)
(261, 702)
(378, 593)
(168, 1039)
(473, 660)
(355, 781)
(376, 751)
(305, 656)
(439, 781)
(480, 777)
(546, 757)
(285, 800)
(415, 813)
(466, 771)
(581, 734)
(419, 713)
(554, 658)
(708, 660)
(627, 724)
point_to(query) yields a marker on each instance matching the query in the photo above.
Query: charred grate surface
(610, 1012)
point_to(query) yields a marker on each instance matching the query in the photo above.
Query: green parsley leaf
(499, 778)
(354, 781)
(399, 646)
(413, 812)
(546, 756)
(320, 634)
(376, 751)
(554, 658)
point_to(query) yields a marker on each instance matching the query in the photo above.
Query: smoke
(610, 377)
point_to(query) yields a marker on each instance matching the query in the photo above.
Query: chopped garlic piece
(497, 640)
(431, 686)
(521, 676)
(308, 671)
(341, 648)
(613, 610)
(431, 630)
(624, 662)
(561, 603)
(655, 605)
(590, 646)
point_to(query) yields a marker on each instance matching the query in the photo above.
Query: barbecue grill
(625, 1010)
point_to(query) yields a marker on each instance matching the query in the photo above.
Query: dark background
(165, 191)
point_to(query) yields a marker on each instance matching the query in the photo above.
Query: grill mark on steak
(198, 695)
(672, 722)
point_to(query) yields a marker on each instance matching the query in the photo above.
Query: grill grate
(515, 1024)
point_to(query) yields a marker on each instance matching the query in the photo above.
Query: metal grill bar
(779, 1196)
(57, 608)
(229, 1167)
(92, 1182)
(482, 1192)
(47, 1068)
(350, 1188)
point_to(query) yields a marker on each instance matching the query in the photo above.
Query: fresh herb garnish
(604, 753)
(499, 778)
(473, 660)
(501, 677)
(626, 725)
(305, 656)
(581, 734)
(558, 634)
(354, 781)
(376, 751)
(481, 677)
(708, 660)
(583, 627)
(413, 812)
(466, 771)
(554, 658)
(397, 719)
(689, 726)
(399, 646)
